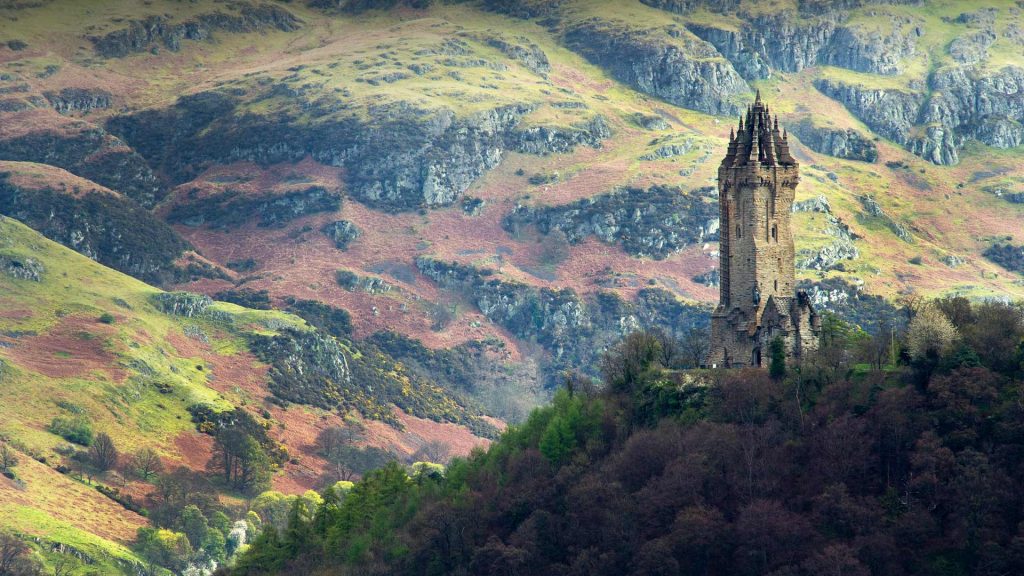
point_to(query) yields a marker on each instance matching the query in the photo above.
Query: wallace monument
(758, 301)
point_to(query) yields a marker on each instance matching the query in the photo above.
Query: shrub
(255, 299)
(107, 318)
(76, 429)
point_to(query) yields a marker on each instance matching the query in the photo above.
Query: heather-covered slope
(85, 350)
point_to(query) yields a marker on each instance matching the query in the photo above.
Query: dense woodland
(897, 453)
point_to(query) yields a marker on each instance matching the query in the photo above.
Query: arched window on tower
(775, 232)
(739, 231)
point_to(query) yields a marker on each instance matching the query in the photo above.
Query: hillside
(253, 128)
(416, 219)
(84, 344)
(906, 468)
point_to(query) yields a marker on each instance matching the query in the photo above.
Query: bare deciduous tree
(103, 454)
(432, 451)
(145, 464)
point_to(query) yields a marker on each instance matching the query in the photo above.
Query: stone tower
(758, 301)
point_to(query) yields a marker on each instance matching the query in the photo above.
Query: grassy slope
(53, 348)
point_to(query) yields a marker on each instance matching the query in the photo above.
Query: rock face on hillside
(91, 153)
(110, 229)
(963, 104)
(524, 8)
(654, 223)
(312, 368)
(306, 367)
(524, 51)
(147, 34)
(675, 65)
(342, 232)
(848, 144)
(891, 113)
(872, 313)
(22, 269)
(687, 6)
(988, 108)
(400, 158)
(786, 42)
(69, 100)
(544, 140)
(572, 329)
(870, 51)
(830, 256)
(231, 208)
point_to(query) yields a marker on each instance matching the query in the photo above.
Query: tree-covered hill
(831, 467)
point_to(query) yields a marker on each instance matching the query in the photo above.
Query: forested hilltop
(846, 464)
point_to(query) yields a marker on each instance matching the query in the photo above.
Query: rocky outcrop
(968, 104)
(964, 103)
(972, 47)
(355, 283)
(938, 145)
(342, 232)
(891, 113)
(825, 7)
(847, 144)
(147, 34)
(849, 302)
(108, 228)
(310, 367)
(857, 48)
(572, 329)
(669, 151)
(648, 223)
(650, 121)
(732, 44)
(787, 41)
(673, 65)
(360, 6)
(771, 41)
(832, 255)
(231, 208)
(22, 268)
(524, 8)
(91, 153)
(874, 210)
(524, 51)
(305, 367)
(687, 6)
(544, 140)
(398, 158)
(70, 100)
(184, 304)
(1011, 195)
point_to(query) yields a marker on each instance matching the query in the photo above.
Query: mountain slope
(80, 342)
